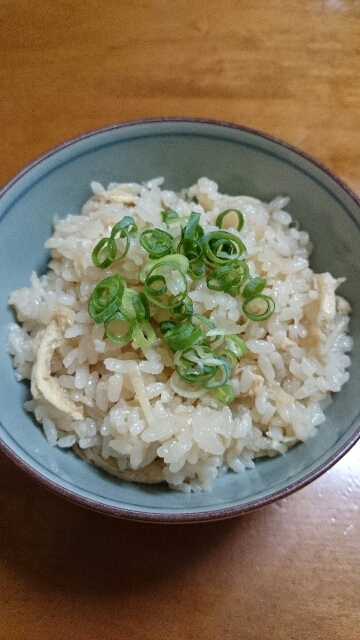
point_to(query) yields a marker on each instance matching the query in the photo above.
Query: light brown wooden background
(291, 68)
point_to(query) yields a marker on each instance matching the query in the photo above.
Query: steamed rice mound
(124, 408)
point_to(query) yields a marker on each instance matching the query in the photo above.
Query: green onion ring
(106, 298)
(236, 345)
(100, 253)
(222, 215)
(119, 337)
(225, 394)
(221, 247)
(169, 216)
(262, 315)
(166, 325)
(193, 368)
(183, 336)
(126, 225)
(253, 287)
(157, 291)
(144, 335)
(141, 307)
(229, 277)
(230, 356)
(182, 309)
(175, 263)
(156, 242)
(224, 371)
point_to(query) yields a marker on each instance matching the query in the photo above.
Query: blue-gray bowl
(240, 160)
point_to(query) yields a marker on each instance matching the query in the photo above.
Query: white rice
(132, 403)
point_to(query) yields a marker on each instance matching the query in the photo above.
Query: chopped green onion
(193, 230)
(166, 325)
(230, 356)
(207, 324)
(126, 225)
(229, 277)
(127, 306)
(236, 345)
(169, 216)
(100, 253)
(106, 298)
(221, 375)
(118, 328)
(205, 320)
(144, 335)
(196, 365)
(189, 245)
(220, 247)
(216, 256)
(225, 394)
(182, 309)
(253, 287)
(258, 307)
(141, 307)
(183, 336)
(156, 294)
(160, 287)
(197, 269)
(177, 261)
(222, 216)
(156, 242)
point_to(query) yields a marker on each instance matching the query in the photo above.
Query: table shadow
(57, 545)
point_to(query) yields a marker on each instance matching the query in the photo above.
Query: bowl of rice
(179, 319)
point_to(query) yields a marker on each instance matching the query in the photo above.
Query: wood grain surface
(290, 571)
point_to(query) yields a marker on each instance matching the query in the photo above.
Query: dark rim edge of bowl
(200, 516)
(181, 119)
(187, 517)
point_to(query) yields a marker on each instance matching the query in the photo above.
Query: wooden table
(290, 571)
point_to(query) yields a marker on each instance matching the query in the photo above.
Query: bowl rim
(198, 515)
(183, 517)
(176, 119)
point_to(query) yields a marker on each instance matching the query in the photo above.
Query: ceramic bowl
(182, 150)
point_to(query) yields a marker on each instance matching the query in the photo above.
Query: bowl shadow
(55, 544)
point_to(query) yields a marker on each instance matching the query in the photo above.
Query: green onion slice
(144, 335)
(182, 308)
(236, 345)
(253, 287)
(120, 240)
(221, 247)
(189, 245)
(169, 216)
(228, 277)
(222, 216)
(155, 284)
(166, 325)
(225, 393)
(177, 261)
(126, 225)
(156, 242)
(141, 307)
(196, 365)
(221, 375)
(218, 256)
(230, 356)
(100, 253)
(258, 307)
(183, 336)
(118, 328)
(207, 325)
(106, 298)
